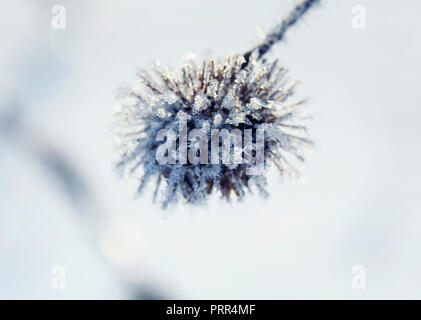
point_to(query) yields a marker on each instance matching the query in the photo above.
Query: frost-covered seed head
(219, 94)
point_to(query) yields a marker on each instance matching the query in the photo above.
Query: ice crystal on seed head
(219, 94)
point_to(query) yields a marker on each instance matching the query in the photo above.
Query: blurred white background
(357, 204)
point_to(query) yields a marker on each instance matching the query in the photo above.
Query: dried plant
(242, 91)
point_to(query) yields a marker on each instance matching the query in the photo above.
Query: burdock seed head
(240, 93)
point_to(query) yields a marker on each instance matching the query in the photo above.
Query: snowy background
(62, 203)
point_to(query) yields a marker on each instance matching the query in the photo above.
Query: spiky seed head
(228, 93)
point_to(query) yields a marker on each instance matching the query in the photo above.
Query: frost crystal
(223, 94)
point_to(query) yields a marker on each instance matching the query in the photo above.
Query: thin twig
(278, 32)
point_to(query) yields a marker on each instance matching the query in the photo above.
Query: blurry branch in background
(65, 174)
(106, 233)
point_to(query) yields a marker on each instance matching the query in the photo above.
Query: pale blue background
(358, 203)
